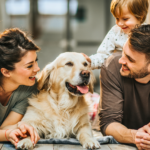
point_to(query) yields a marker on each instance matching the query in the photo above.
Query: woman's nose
(36, 68)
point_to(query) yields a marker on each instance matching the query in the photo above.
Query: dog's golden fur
(56, 112)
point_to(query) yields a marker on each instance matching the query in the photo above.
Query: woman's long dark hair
(13, 46)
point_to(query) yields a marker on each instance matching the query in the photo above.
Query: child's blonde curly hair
(139, 8)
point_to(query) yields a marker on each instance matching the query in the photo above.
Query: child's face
(126, 21)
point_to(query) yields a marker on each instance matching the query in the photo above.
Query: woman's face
(25, 70)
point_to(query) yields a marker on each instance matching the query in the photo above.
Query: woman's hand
(14, 135)
(29, 130)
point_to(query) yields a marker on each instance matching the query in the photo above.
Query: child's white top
(114, 40)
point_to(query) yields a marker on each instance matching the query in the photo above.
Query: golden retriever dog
(60, 109)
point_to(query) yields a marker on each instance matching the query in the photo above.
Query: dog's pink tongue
(83, 89)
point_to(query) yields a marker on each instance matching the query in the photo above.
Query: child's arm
(106, 48)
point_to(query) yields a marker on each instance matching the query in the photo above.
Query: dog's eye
(85, 64)
(69, 63)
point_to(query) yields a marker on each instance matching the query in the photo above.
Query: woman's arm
(11, 123)
(12, 119)
(8, 129)
(11, 135)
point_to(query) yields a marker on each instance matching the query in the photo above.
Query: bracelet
(6, 135)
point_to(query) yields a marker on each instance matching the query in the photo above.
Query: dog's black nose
(85, 74)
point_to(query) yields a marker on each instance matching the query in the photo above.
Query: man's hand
(29, 130)
(142, 138)
(13, 135)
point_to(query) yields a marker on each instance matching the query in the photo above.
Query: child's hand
(14, 135)
(30, 131)
(87, 58)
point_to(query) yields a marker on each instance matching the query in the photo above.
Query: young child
(128, 14)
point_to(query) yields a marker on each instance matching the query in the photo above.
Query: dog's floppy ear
(92, 81)
(44, 76)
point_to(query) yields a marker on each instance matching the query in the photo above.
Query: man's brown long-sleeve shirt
(123, 99)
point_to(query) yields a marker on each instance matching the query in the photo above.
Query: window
(17, 7)
(56, 7)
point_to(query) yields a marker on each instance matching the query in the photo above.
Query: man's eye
(30, 66)
(69, 64)
(130, 60)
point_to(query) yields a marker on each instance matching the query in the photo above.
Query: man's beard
(139, 74)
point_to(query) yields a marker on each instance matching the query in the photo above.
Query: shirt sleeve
(21, 106)
(111, 97)
(21, 97)
(105, 49)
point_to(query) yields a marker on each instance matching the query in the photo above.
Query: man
(125, 91)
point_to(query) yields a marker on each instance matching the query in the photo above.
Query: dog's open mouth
(78, 89)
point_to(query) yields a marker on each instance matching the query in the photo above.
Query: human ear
(5, 72)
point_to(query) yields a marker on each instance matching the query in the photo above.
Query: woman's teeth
(32, 77)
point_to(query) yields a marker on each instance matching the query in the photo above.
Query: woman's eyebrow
(31, 61)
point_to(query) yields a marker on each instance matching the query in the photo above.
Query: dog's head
(69, 72)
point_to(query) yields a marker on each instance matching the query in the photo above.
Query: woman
(18, 67)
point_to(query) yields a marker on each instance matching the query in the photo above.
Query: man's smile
(124, 68)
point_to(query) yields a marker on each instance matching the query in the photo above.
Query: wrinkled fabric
(72, 141)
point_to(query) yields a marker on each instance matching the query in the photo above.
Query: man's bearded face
(136, 74)
(134, 64)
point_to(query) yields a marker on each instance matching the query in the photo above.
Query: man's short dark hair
(139, 39)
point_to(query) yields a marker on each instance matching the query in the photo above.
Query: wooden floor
(72, 147)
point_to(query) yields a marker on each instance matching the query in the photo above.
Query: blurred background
(57, 26)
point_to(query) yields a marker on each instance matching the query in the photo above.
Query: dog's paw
(91, 143)
(25, 144)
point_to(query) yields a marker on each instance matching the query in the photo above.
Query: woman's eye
(69, 63)
(85, 64)
(30, 66)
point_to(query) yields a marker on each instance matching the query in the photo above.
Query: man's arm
(111, 96)
(111, 111)
(140, 137)
(121, 133)
(111, 107)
